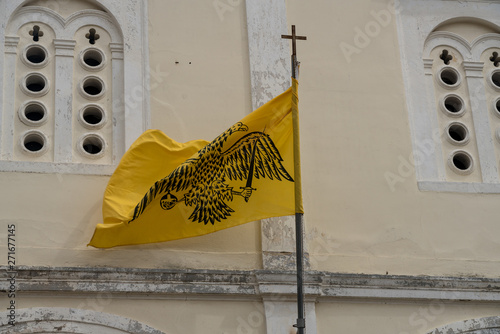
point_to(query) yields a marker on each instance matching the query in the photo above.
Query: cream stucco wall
(354, 129)
(170, 316)
(191, 99)
(402, 318)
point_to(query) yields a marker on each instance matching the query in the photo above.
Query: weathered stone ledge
(167, 283)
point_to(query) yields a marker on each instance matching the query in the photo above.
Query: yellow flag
(163, 190)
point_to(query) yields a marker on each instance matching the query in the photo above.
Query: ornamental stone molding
(251, 285)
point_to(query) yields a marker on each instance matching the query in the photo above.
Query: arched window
(452, 83)
(465, 91)
(65, 320)
(487, 325)
(66, 77)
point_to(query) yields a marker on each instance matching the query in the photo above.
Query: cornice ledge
(411, 287)
(267, 284)
(132, 281)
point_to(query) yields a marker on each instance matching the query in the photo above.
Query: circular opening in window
(92, 87)
(93, 59)
(495, 78)
(496, 107)
(453, 105)
(34, 142)
(461, 162)
(92, 145)
(458, 134)
(449, 77)
(33, 113)
(92, 116)
(35, 54)
(35, 83)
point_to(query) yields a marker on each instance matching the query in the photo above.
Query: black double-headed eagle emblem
(204, 176)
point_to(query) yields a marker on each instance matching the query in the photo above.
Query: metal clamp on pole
(301, 323)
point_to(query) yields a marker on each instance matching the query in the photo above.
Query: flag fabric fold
(163, 190)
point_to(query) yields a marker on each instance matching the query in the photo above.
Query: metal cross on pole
(301, 321)
(294, 38)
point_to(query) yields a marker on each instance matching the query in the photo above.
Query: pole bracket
(301, 323)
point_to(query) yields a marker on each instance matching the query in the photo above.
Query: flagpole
(299, 248)
(299, 226)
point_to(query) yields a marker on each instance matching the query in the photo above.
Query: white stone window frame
(131, 64)
(416, 19)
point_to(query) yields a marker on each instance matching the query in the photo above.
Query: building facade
(400, 152)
